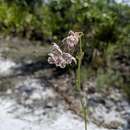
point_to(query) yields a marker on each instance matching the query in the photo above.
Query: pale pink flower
(62, 63)
(55, 55)
(68, 58)
(57, 60)
(51, 59)
(71, 40)
(71, 33)
(60, 58)
(56, 49)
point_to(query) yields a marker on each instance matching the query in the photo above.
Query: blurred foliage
(109, 78)
(19, 20)
(106, 26)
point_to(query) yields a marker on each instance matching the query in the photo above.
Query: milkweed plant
(63, 55)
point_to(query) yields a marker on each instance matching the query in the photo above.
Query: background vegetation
(106, 26)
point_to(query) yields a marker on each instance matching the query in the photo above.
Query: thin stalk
(85, 113)
(78, 82)
(79, 58)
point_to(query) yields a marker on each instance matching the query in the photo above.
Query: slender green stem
(85, 113)
(79, 57)
(78, 83)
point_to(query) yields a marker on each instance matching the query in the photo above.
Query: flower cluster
(62, 58)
